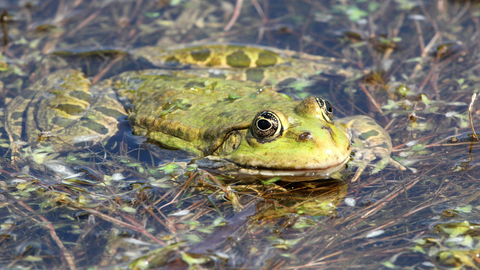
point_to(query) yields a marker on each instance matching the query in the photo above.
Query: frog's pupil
(264, 124)
(329, 107)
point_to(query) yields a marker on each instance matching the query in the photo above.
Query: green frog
(222, 105)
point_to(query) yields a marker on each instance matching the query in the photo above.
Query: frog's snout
(305, 136)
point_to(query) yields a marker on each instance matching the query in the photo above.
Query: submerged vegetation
(128, 204)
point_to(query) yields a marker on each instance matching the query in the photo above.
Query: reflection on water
(294, 207)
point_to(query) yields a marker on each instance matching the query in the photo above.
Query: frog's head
(290, 139)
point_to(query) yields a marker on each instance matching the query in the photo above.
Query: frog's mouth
(224, 166)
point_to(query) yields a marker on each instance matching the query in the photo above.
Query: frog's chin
(223, 166)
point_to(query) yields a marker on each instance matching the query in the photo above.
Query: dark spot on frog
(366, 135)
(70, 108)
(28, 94)
(81, 95)
(172, 61)
(194, 84)
(109, 112)
(255, 74)
(266, 59)
(305, 136)
(62, 122)
(92, 125)
(384, 145)
(215, 61)
(225, 114)
(16, 115)
(238, 59)
(200, 55)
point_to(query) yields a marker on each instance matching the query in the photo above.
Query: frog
(217, 102)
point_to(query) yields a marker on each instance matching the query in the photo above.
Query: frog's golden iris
(266, 126)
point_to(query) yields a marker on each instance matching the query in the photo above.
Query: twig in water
(236, 13)
(474, 96)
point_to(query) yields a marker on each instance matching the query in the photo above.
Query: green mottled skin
(202, 128)
(66, 108)
(206, 116)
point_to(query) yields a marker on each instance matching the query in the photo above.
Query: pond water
(131, 203)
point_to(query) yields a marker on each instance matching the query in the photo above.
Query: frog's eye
(266, 125)
(326, 107)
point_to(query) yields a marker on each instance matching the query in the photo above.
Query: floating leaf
(301, 84)
(418, 249)
(271, 180)
(233, 96)
(389, 264)
(355, 14)
(170, 168)
(175, 2)
(152, 15)
(128, 209)
(464, 209)
(454, 229)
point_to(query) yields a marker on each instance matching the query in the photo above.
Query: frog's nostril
(305, 136)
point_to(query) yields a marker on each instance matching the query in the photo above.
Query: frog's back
(192, 113)
(263, 65)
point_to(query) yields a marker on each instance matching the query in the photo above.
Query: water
(107, 207)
